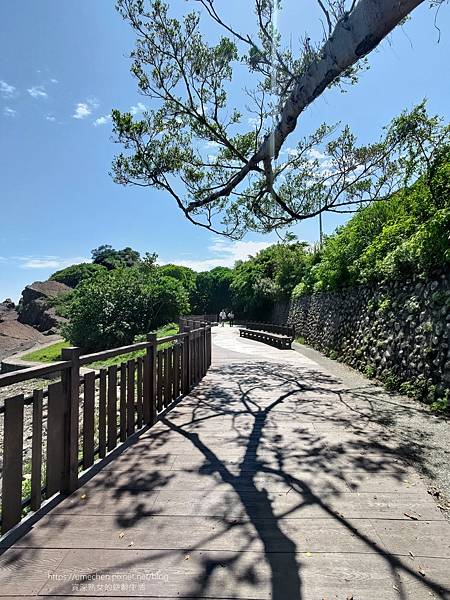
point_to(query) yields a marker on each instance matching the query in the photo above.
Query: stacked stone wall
(398, 332)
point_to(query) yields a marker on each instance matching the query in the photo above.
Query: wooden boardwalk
(269, 481)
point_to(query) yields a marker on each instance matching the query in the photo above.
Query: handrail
(96, 356)
(32, 372)
(88, 414)
(170, 338)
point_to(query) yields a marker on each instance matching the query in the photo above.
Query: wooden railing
(74, 421)
(288, 330)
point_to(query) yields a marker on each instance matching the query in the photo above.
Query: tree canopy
(110, 258)
(269, 276)
(391, 240)
(75, 274)
(213, 291)
(111, 308)
(249, 182)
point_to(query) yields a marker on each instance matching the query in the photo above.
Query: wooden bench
(283, 342)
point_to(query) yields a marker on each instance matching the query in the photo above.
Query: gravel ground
(423, 437)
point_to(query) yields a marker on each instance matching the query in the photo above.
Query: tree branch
(354, 36)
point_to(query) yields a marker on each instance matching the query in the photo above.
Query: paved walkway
(268, 481)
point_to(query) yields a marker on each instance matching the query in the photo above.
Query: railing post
(150, 379)
(187, 363)
(203, 349)
(209, 346)
(70, 379)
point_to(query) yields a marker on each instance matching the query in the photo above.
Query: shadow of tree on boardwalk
(284, 566)
(265, 409)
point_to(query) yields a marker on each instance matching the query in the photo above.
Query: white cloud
(50, 118)
(313, 153)
(53, 80)
(102, 120)
(7, 90)
(225, 254)
(138, 109)
(84, 109)
(49, 262)
(9, 112)
(37, 91)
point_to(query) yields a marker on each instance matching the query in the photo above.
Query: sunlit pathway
(271, 480)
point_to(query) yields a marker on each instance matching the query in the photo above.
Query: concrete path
(269, 481)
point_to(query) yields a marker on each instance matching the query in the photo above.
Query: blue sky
(64, 66)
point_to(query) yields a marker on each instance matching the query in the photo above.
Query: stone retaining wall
(397, 332)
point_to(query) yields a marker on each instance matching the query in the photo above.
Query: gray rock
(35, 306)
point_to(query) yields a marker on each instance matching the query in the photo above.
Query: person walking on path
(222, 317)
(231, 318)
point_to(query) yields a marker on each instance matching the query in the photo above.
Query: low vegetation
(53, 353)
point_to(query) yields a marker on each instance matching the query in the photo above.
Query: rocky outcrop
(7, 311)
(35, 306)
(398, 332)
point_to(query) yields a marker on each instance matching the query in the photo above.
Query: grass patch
(53, 353)
(49, 354)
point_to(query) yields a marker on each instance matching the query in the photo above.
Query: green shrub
(391, 239)
(369, 371)
(75, 274)
(113, 307)
(391, 382)
(385, 304)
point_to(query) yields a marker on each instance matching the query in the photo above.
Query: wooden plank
(193, 358)
(55, 438)
(139, 403)
(112, 407)
(180, 369)
(88, 419)
(185, 360)
(97, 356)
(159, 399)
(203, 340)
(102, 414)
(198, 357)
(12, 462)
(32, 372)
(70, 380)
(36, 451)
(123, 402)
(148, 390)
(172, 374)
(131, 369)
(152, 352)
(176, 371)
(167, 378)
(209, 345)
